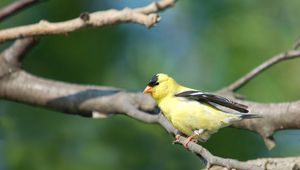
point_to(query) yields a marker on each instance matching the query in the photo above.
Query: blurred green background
(203, 44)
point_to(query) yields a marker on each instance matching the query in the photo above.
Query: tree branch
(146, 16)
(10, 59)
(15, 7)
(259, 69)
(96, 102)
(276, 116)
(18, 50)
(156, 6)
(88, 101)
(215, 160)
(292, 163)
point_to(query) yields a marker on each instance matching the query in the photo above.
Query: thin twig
(96, 19)
(146, 16)
(296, 44)
(15, 7)
(156, 6)
(256, 71)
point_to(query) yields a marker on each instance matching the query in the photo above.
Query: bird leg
(189, 139)
(192, 137)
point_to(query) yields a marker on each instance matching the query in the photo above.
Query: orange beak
(148, 89)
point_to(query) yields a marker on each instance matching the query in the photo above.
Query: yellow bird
(192, 112)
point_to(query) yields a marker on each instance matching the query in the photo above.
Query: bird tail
(250, 116)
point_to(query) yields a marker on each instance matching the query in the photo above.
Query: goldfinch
(194, 113)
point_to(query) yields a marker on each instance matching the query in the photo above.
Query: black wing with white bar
(212, 98)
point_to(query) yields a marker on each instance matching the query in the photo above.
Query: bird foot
(188, 140)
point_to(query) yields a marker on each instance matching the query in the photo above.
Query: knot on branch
(85, 16)
(6, 68)
(152, 20)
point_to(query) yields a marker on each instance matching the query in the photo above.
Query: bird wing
(213, 99)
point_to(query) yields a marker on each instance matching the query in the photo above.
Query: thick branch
(259, 69)
(292, 163)
(89, 101)
(15, 7)
(96, 19)
(276, 116)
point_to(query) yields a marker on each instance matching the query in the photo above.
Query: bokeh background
(203, 44)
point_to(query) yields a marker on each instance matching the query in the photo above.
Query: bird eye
(152, 84)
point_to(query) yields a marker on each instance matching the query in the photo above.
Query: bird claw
(188, 140)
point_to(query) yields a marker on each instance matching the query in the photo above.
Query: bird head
(160, 86)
